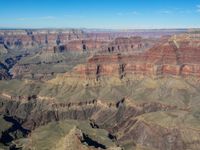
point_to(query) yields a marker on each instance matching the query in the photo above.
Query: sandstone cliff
(174, 57)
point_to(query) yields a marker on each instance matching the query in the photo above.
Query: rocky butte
(90, 89)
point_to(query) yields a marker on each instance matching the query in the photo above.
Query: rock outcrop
(132, 111)
(4, 74)
(118, 91)
(31, 38)
(179, 56)
(75, 40)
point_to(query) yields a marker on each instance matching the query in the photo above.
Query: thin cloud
(21, 19)
(165, 12)
(198, 8)
(37, 18)
(69, 16)
(120, 14)
(73, 16)
(134, 13)
(48, 18)
(128, 13)
(175, 10)
(185, 11)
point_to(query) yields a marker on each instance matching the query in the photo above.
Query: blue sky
(112, 14)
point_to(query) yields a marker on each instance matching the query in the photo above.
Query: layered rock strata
(175, 57)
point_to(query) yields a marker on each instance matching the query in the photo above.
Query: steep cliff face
(130, 44)
(35, 113)
(86, 45)
(144, 130)
(45, 65)
(148, 118)
(4, 74)
(136, 113)
(68, 135)
(138, 55)
(3, 49)
(109, 85)
(28, 110)
(33, 38)
(79, 40)
(175, 57)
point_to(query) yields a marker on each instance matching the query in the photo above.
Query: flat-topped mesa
(125, 44)
(115, 65)
(80, 40)
(176, 57)
(120, 44)
(85, 45)
(54, 40)
(30, 38)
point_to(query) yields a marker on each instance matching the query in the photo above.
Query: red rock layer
(28, 39)
(123, 44)
(179, 57)
(79, 40)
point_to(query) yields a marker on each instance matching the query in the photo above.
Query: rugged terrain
(85, 89)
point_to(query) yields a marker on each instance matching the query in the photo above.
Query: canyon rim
(93, 75)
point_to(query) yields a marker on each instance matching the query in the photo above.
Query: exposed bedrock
(34, 113)
(174, 57)
(30, 38)
(78, 40)
(123, 119)
(4, 74)
(154, 136)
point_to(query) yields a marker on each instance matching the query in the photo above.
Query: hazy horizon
(82, 28)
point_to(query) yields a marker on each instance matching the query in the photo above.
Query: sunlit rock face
(89, 90)
(176, 56)
(31, 38)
